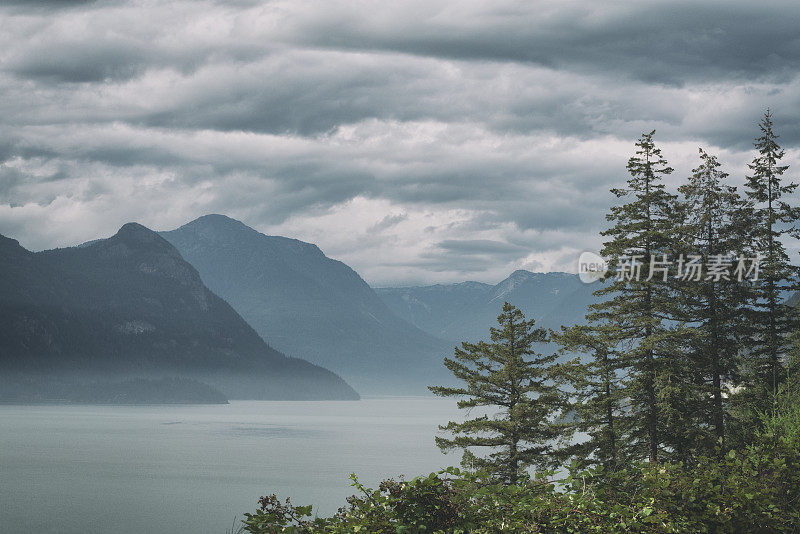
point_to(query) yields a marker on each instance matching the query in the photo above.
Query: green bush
(756, 489)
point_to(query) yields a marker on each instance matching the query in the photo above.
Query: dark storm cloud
(288, 98)
(462, 138)
(81, 62)
(666, 42)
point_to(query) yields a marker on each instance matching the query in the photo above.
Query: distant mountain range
(143, 304)
(130, 306)
(310, 306)
(465, 311)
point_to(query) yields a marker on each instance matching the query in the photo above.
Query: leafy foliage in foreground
(752, 490)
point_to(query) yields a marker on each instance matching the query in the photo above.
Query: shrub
(756, 489)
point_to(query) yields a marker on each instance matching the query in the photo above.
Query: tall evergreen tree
(507, 375)
(770, 219)
(714, 303)
(638, 305)
(597, 407)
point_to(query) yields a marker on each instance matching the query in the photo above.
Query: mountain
(310, 306)
(465, 311)
(130, 307)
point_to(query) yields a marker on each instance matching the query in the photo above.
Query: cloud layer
(418, 142)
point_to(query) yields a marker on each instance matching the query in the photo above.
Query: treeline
(687, 347)
(674, 409)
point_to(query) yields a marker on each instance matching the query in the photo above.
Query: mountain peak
(225, 231)
(136, 235)
(132, 239)
(216, 227)
(216, 219)
(508, 285)
(135, 231)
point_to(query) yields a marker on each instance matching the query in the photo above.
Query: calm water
(193, 469)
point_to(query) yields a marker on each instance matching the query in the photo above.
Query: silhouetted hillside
(131, 306)
(310, 306)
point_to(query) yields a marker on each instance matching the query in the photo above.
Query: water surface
(193, 469)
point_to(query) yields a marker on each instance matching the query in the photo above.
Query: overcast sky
(418, 142)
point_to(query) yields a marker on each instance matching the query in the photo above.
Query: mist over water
(193, 469)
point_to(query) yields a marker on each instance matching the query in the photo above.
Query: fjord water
(193, 469)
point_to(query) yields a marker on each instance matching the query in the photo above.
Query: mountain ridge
(464, 311)
(130, 305)
(309, 305)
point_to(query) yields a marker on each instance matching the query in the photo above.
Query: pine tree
(714, 304)
(597, 405)
(637, 308)
(770, 219)
(508, 375)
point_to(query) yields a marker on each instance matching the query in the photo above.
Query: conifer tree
(597, 407)
(715, 303)
(509, 376)
(639, 301)
(770, 219)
